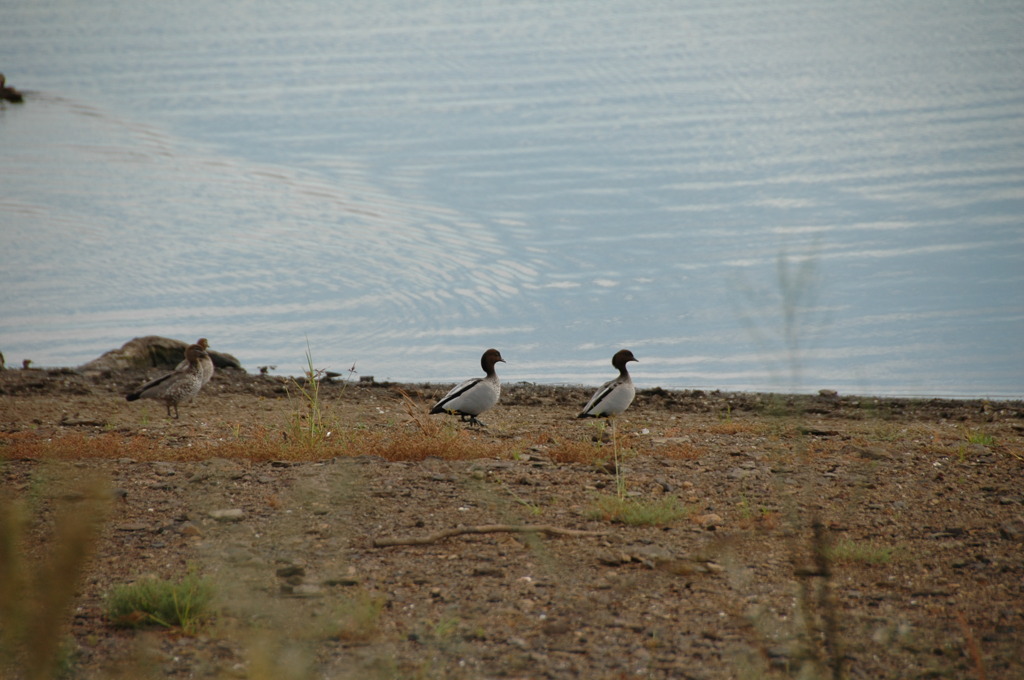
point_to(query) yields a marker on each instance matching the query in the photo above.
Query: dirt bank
(921, 501)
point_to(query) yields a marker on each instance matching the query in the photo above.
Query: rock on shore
(151, 351)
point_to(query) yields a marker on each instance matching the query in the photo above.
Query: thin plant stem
(620, 483)
(309, 427)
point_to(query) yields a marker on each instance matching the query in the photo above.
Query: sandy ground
(920, 504)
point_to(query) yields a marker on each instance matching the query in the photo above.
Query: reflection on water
(286, 255)
(748, 197)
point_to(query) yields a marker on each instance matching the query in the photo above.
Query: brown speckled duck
(205, 361)
(179, 386)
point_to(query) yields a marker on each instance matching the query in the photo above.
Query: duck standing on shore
(205, 361)
(615, 396)
(9, 94)
(474, 396)
(179, 386)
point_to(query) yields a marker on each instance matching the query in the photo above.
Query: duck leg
(473, 422)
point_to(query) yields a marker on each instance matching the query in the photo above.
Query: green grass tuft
(636, 512)
(185, 604)
(979, 437)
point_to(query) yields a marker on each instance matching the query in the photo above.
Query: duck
(9, 94)
(474, 396)
(205, 362)
(179, 386)
(615, 396)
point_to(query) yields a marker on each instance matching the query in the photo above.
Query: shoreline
(236, 375)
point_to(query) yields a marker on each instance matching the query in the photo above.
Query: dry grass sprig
(427, 425)
(973, 648)
(448, 442)
(575, 451)
(76, 446)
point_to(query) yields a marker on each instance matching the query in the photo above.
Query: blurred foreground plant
(35, 596)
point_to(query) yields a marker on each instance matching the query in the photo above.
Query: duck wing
(152, 387)
(459, 390)
(602, 392)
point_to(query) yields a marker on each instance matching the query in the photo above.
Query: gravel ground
(820, 536)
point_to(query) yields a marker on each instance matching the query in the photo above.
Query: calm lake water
(749, 195)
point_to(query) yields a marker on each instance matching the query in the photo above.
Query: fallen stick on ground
(483, 529)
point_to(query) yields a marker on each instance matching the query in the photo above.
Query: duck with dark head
(615, 396)
(474, 396)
